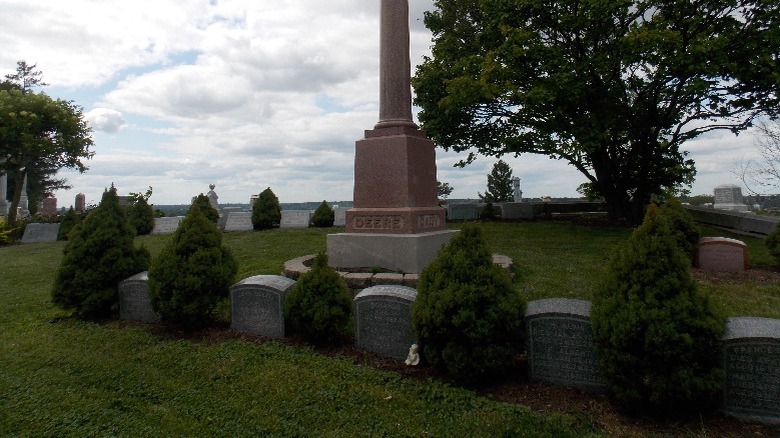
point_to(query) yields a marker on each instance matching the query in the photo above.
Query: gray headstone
(462, 212)
(383, 320)
(238, 221)
(340, 216)
(560, 344)
(166, 225)
(134, 301)
(751, 360)
(295, 219)
(35, 233)
(257, 305)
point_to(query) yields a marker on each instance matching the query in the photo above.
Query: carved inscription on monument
(383, 320)
(377, 222)
(560, 345)
(429, 221)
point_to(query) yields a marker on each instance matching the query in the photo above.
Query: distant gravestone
(462, 212)
(340, 216)
(383, 320)
(134, 301)
(560, 344)
(166, 225)
(722, 254)
(81, 203)
(49, 207)
(729, 197)
(238, 221)
(257, 305)
(36, 233)
(751, 360)
(295, 219)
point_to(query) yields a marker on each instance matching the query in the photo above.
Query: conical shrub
(99, 254)
(266, 211)
(657, 339)
(468, 316)
(192, 273)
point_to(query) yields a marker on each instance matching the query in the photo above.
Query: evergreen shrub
(266, 211)
(468, 316)
(192, 273)
(657, 339)
(211, 213)
(99, 254)
(141, 217)
(684, 230)
(319, 306)
(323, 216)
(69, 221)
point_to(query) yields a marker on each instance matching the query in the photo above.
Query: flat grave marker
(751, 360)
(383, 320)
(134, 301)
(257, 305)
(37, 233)
(462, 212)
(560, 344)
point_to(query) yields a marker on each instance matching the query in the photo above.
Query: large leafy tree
(38, 135)
(613, 87)
(499, 184)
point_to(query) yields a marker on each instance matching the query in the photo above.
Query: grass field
(62, 377)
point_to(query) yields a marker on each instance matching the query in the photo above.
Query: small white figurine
(414, 357)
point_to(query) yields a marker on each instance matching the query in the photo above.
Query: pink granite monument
(49, 207)
(396, 222)
(81, 203)
(722, 254)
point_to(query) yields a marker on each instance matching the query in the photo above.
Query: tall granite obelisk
(396, 222)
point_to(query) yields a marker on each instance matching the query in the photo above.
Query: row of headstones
(234, 220)
(559, 340)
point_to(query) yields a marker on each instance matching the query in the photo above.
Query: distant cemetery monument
(729, 197)
(3, 192)
(81, 203)
(396, 222)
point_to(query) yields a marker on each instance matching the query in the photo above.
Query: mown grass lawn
(62, 377)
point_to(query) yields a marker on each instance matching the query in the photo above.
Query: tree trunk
(18, 186)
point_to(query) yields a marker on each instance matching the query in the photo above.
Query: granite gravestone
(462, 212)
(383, 320)
(166, 225)
(36, 233)
(257, 305)
(134, 301)
(340, 216)
(49, 208)
(751, 360)
(729, 197)
(238, 221)
(81, 203)
(295, 219)
(560, 344)
(721, 254)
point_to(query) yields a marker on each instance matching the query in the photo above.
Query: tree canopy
(612, 87)
(499, 184)
(39, 135)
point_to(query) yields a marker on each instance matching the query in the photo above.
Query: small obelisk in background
(396, 222)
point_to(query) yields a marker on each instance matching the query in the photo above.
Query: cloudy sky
(246, 95)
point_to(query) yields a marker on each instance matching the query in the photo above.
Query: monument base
(407, 253)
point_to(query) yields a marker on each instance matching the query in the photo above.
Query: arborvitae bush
(468, 316)
(99, 254)
(657, 339)
(266, 211)
(141, 217)
(192, 273)
(211, 213)
(683, 227)
(69, 221)
(323, 216)
(319, 305)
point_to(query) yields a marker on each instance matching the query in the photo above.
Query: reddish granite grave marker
(722, 254)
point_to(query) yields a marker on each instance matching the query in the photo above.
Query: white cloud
(105, 120)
